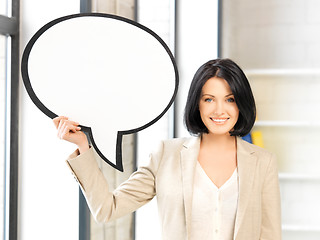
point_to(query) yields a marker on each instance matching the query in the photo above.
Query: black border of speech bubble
(45, 110)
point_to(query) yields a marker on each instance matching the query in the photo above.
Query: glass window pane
(3, 51)
(3, 8)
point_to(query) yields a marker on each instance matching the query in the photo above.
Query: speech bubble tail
(119, 152)
(118, 164)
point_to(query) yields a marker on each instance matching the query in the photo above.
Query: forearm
(105, 205)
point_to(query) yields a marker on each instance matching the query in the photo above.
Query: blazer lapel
(247, 163)
(189, 157)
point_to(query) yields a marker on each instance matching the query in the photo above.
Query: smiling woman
(240, 179)
(217, 106)
(235, 87)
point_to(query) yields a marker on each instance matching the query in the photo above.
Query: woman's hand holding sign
(70, 131)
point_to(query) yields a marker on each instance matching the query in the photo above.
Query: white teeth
(219, 120)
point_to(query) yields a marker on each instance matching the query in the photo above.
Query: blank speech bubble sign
(110, 74)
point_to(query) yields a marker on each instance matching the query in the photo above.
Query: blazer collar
(246, 162)
(189, 156)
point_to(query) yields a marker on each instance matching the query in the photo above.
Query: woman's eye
(208, 100)
(231, 100)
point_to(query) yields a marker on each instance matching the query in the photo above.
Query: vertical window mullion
(9, 28)
(7, 139)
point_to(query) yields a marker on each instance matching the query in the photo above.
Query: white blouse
(213, 209)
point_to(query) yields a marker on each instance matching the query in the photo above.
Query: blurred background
(276, 42)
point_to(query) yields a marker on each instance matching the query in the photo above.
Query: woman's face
(218, 109)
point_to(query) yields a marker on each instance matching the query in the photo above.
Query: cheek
(202, 113)
(202, 109)
(234, 111)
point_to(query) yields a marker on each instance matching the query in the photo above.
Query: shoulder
(263, 159)
(251, 147)
(261, 153)
(176, 145)
(180, 143)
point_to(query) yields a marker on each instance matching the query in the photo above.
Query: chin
(220, 133)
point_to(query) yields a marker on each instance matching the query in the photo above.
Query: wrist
(83, 145)
(83, 148)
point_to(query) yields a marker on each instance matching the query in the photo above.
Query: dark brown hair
(240, 87)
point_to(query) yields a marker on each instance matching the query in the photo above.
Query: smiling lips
(219, 120)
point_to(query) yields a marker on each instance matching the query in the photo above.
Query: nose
(219, 109)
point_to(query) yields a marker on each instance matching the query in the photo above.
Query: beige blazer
(169, 176)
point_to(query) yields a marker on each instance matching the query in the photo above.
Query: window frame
(9, 26)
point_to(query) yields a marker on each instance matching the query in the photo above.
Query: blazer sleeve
(129, 196)
(271, 210)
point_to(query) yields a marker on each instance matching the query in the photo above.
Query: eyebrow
(207, 94)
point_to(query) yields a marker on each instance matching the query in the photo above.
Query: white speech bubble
(112, 75)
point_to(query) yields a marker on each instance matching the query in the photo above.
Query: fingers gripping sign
(110, 74)
(70, 131)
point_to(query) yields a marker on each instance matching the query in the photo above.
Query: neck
(219, 141)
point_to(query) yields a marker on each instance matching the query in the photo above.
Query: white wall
(272, 34)
(277, 42)
(48, 194)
